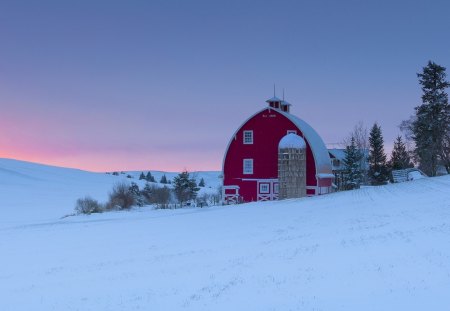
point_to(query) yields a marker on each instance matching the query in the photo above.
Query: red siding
(268, 128)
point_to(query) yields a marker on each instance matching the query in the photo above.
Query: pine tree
(163, 179)
(150, 177)
(400, 158)
(142, 176)
(352, 170)
(201, 183)
(134, 190)
(431, 127)
(378, 170)
(185, 188)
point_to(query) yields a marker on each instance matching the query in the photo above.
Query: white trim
(246, 165)
(259, 179)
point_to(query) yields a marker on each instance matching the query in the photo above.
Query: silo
(292, 167)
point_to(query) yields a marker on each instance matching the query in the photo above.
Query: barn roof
(321, 156)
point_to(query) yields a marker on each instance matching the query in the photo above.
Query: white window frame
(247, 140)
(292, 132)
(264, 188)
(247, 166)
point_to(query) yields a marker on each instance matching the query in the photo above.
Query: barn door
(267, 189)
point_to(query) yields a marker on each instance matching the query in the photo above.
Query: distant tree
(161, 197)
(147, 193)
(163, 179)
(201, 183)
(138, 196)
(352, 171)
(361, 140)
(185, 188)
(400, 158)
(129, 176)
(430, 126)
(115, 173)
(150, 177)
(142, 176)
(378, 169)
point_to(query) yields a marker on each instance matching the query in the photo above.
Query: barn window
(292, 132)
(248, 166)
(248, 137)
(264, 188)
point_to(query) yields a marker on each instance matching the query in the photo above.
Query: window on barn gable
(292, 132)
(248, 137)
(248, 166)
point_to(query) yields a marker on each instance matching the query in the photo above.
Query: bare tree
(360, 135)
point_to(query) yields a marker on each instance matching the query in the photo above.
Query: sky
(163, 85)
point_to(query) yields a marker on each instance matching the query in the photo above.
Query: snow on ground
(377, 248)
(31, 191)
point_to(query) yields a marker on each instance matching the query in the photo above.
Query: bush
(88, 205)
(121, 197)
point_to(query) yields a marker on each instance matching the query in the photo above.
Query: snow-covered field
(31, 192)
(383, 248)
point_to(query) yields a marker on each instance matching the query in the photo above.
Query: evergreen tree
(201, 183)
(185, 188)
(400, 158)
(134, 190)
(378, 170)
(150, 177)
(431, 126)
(163, 179)
(142, 176)
(352, 170)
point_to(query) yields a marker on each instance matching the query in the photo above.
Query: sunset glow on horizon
(163, 85)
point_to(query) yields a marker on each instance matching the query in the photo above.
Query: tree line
(123, 196)
(427, 131)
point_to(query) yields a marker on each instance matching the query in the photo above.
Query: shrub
(121, 197)
(88, 205)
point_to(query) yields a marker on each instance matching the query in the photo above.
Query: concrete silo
(292, 167)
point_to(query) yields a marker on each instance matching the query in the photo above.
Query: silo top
(292, 140)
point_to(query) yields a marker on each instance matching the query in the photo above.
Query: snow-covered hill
(381, 248)
(31, 191)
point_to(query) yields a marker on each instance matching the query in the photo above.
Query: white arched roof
(321, 156)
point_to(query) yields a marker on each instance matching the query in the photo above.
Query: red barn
(250, 165)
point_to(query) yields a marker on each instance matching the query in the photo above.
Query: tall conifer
(378, 170)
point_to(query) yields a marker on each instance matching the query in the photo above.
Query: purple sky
(122, 85)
